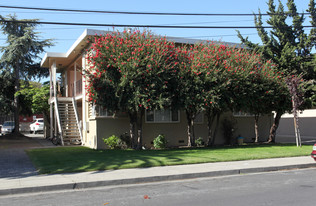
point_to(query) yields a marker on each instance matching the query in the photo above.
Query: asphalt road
(295, 187)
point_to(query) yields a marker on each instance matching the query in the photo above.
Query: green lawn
(78, 159)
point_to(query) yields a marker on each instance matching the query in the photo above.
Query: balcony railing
(78, 88)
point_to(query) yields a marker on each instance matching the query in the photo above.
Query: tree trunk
(274, 126)
(190, 130)
(210, 120)
(16, 100)
(133, 129)
(47, 127)
(139, 129)
(256, 127)
(216, 128)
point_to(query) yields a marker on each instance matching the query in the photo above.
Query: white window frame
(242, 114)
(155, 121)
(97, 110)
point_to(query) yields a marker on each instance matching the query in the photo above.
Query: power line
(221, 35)
(138, 13)
(188, 23)
(3, 39)
(143, 26)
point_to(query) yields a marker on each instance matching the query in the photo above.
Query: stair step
(67, 114)
(70, 131)
(71, 137)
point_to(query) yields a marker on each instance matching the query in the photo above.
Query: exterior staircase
(68, 121)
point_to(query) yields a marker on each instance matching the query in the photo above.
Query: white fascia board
(87, 32)
(305, 113)
(93, 32)
(52, 54)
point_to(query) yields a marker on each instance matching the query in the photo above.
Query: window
(242, 114)
(98, 111)
(199, 118)
(162, 116)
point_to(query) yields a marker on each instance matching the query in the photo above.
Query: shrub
(113, 142)
(160, 142)
(126, 140)
(199, 142)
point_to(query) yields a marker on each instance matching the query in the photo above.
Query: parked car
(37, 125)
(7, 127)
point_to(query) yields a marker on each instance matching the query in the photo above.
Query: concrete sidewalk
(41, 183)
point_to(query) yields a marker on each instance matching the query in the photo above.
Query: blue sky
(65, 35)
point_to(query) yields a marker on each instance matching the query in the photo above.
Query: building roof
(63, 60)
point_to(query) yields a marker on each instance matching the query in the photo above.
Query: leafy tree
(190, 85)
(265, 87)
(34, 98)
(132, 72)
(288, 46)
(19, 55)
(6, 92)
(211, 60)
(295, 85)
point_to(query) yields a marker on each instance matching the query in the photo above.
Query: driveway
(13, 159)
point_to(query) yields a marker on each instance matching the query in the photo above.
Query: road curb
(94, 184)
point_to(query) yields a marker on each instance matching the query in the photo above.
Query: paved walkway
(13, 160)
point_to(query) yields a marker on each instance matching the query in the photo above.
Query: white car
(7, 127)
(37, 125)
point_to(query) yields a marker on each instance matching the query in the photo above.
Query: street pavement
(26, 180)
(281, 188)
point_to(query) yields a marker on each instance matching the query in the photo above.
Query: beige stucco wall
(246, 127)
(307, 121)
(175, 133)
(107, 126)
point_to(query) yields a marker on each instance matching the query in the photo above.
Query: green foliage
(160, 142)
(114, 142)
(34, 99)
(287, 44)
(199, 142)
(134, 72)
(6, 92)
(126, 139)
(19, 56)
(131, 72)
(23, 48)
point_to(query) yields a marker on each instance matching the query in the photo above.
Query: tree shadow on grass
(79, 159)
